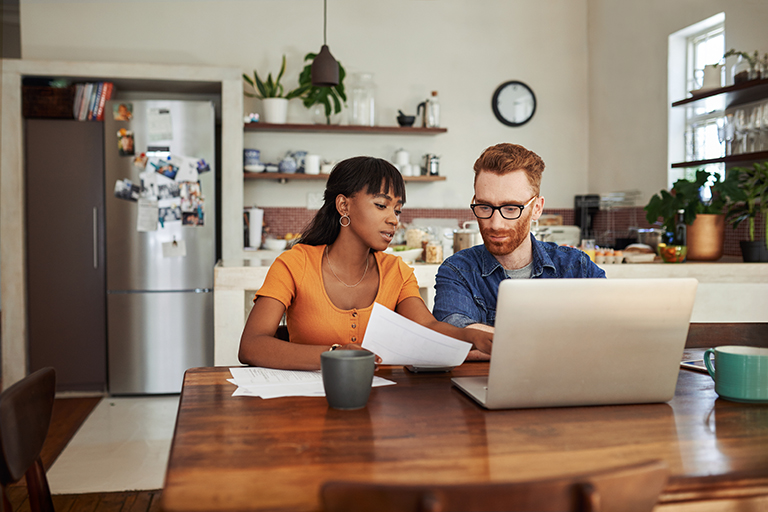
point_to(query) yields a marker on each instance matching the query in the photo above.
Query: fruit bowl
(673, 253)
(409, 255)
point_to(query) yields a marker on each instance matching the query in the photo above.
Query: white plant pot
(275, 110)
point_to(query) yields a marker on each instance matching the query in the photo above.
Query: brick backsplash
(608, 224)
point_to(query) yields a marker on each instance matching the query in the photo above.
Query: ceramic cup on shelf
(347, 377)
(312, 164)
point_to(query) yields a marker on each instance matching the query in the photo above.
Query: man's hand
(481, 337)
(476, 355)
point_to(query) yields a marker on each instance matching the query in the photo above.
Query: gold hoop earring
(341, 220)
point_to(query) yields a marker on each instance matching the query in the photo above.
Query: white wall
(598, 68)
(628, 81)
(462, 48)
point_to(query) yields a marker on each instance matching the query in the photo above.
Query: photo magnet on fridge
(202, 166)
(125, 142)
(125, 189)
(122, 111)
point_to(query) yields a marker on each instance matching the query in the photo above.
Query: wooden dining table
(247, 453)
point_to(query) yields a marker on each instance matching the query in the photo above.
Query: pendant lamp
(325, 69)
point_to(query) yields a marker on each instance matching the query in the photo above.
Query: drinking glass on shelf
(764, 127)
(729, 133)
(740, 124)
(753, 128)
(721, 135)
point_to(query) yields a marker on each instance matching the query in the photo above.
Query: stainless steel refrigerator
(159, 281)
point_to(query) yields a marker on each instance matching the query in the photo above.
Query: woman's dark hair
(349, 177)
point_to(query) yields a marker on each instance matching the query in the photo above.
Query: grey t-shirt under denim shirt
(467, 283)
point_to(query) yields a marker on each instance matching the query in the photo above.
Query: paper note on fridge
(174, 249)
(400, 341)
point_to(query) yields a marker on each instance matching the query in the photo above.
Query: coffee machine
(584, 208)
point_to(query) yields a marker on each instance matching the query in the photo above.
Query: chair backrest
(632, 488)
(25, 415)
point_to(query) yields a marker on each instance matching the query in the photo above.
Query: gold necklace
(337, 277)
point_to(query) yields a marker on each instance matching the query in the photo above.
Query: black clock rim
(495, 99)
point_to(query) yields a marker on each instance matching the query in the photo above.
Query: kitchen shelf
(284, 177)
(334, 128)
(743, 92)
(743, 157)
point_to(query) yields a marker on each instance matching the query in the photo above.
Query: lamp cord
(325, 18)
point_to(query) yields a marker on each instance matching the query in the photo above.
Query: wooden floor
(68, 415)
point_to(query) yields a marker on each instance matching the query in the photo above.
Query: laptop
(577, 342)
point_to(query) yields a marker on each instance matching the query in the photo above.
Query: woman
(327, 283)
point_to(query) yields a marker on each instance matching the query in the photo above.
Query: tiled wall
(609, 224)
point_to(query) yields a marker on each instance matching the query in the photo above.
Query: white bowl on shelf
(275, 244)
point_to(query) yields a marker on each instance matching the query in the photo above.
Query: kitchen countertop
(729, 291)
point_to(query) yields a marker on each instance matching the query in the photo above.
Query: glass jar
(362, 99)
(741, 70)
(759, 71)
(434, 253)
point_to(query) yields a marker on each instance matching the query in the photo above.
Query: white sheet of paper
(400, 341)
(187, 168)
(271, 383)
(146, 220)
(175, 249)
(159, 125)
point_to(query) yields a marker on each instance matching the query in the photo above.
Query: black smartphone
(429, 369)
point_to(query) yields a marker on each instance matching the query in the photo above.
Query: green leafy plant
(271, 88)
(312, 95)
(753, 59)
(686, 195)
(751, 197)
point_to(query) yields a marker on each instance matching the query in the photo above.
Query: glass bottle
(433, 115)
(363, 99)
(680, 229)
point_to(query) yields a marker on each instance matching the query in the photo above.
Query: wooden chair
(25, 415)
(632, 488)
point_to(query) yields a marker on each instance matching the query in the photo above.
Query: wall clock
(513, 103)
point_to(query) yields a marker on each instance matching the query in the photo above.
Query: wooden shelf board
(402, 130)
(280, 176)
(744, 89)
(744, 157)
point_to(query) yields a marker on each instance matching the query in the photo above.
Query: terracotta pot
(705, 237)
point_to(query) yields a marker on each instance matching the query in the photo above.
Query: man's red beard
(514, 237)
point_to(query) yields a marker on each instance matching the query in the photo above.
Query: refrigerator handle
(95, 238)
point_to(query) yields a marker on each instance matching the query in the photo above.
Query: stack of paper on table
(271, 383)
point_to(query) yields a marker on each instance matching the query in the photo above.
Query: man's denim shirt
(467, 283)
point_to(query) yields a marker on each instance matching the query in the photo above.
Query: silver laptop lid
(561, 342)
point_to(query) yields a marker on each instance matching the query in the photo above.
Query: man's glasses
(507, 211)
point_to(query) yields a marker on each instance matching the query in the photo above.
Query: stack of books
(90, 99)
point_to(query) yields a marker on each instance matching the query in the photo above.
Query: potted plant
(322, 96)
(704, 218)
(271, 92)
(751, 200)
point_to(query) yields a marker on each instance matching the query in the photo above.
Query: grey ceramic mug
(347, 377)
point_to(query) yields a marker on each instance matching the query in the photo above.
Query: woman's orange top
(296, 280)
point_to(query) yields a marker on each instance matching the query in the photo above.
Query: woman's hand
(355, 346)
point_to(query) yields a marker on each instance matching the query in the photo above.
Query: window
(702, 139)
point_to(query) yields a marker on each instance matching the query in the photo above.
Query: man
(506, 201)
